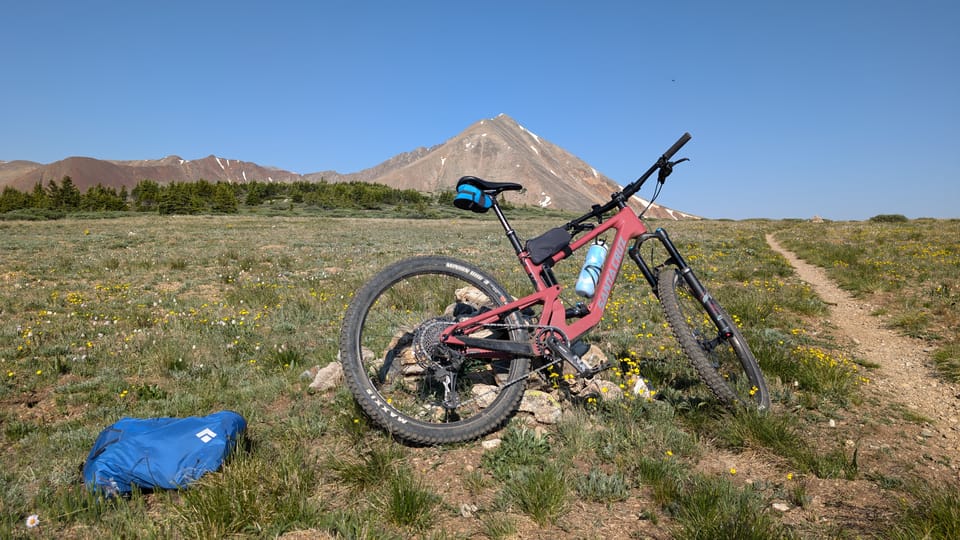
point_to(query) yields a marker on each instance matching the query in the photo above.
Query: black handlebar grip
(677, 146)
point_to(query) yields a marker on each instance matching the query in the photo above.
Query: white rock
(328, 378)
(490, 444)
(544, 407)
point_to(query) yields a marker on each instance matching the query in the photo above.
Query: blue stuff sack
(472, 198)
(160, 453)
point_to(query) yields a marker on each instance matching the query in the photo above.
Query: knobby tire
(389, 343)
(725, 364)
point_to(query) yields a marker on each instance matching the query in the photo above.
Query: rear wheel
(724, 362)
(404, 378)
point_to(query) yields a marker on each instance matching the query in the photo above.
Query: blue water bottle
(590, 273)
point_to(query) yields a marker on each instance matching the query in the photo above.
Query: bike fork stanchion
(699, 291)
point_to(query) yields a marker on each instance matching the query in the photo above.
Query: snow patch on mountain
(532, 134)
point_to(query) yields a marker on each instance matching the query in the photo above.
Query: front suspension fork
(674, 258)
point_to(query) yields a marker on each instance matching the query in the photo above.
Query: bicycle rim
(408, 381)
(725, 363)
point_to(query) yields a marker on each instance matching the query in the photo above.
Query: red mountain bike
(436, 351)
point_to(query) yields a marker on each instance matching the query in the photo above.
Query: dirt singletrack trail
(904, 375)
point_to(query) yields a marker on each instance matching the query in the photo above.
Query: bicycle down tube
(627, 226)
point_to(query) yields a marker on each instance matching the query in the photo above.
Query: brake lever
(667, 168)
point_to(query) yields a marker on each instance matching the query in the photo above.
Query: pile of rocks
(542, 403)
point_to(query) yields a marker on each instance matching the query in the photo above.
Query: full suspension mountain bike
(436, 351)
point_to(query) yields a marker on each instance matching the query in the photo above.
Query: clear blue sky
(844, 109)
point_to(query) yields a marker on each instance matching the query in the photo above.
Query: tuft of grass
(935, 515)
(520, 449)
(376, 466)
(782, 435)
(357, 524)
(540, 492)
(498, 525)
(710, 508)
(285, 358)
(664, 476)
(913, 323)
(260, 494)
(602, 487)
(947, 361)
(408, 503)
(797, 494)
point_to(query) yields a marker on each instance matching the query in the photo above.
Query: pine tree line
(204, 197)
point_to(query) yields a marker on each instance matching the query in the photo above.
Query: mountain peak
(497, 149)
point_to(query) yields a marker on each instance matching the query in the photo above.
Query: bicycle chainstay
(541, 330)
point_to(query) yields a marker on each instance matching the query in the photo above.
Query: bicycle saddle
(490, 188)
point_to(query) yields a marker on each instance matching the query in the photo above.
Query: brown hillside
(497, 149)
(10, 170)
(88, 172)
(502, 150)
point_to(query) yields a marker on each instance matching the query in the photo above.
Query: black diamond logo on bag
(206, 435)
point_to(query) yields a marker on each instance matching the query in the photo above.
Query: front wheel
(401, 373)
(724, 362)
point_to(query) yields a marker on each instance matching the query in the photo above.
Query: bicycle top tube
(627, 226)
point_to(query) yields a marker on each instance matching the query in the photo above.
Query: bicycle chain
(540, 328)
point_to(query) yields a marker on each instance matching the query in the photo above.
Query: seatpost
(511, 234)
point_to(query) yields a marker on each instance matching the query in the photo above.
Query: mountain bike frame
(570, 323)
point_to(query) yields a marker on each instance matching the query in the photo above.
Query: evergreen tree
(146, 196)
(180, 198)
(69, 196)
(53, 199)
(11, 199)
(224, 199)
(255, 194)
(40, 198)
(99, 198)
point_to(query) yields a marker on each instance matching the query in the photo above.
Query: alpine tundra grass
(176, 316)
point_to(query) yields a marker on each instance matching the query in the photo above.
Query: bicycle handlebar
(677, 146)
(633, 187)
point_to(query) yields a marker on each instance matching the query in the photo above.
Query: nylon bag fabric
(544, 246)
(160, 453)
(471, 198)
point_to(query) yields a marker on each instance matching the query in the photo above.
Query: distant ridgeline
(203, 197)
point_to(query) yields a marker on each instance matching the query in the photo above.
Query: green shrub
(889, 218)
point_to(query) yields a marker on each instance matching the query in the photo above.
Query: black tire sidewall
(369, 398)
(667, 281)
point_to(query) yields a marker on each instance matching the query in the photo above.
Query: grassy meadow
(150, 316)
